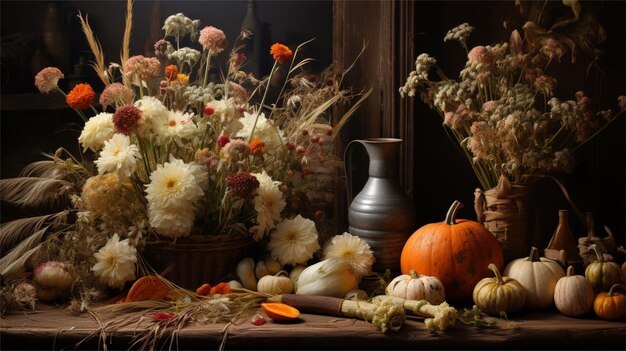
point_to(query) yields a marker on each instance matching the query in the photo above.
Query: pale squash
(275, 284)
(573, 295)
(538, 276)
(414, 286)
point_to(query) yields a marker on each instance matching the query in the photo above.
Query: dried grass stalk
(96, 48)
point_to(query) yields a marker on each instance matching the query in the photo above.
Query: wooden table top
(55, 328)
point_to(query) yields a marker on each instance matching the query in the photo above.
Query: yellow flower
(183, 78)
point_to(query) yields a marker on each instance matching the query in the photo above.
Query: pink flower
(47, 79)
(238, 92)
(545, 84)
(212, 39)
(125, 119)
(455, 119)
(480, 54)
(116, 94)
(489, 106)
(142, 67)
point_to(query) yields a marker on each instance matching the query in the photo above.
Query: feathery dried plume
(96, 49)
(34, 192)
(127, 31)
(11, 233)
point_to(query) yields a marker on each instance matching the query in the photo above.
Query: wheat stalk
(96, 48)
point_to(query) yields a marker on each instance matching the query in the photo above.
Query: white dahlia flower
(115, 262)
(354, 250)
(268, 203)
(96, 131)
(174, 184)
(294, 241)
(118, 155)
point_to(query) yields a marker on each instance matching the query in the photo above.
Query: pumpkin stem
(534, 254)
(414, 274)
(451, 215)
(570, 271)
(282, 273)
(598, 254)
(496, 271)
(621, 286)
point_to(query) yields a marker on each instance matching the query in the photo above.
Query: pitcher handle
(347, 160)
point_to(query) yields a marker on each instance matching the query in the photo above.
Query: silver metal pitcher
(381, 214)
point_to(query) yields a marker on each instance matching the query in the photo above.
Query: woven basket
(503, 210)
(195, 260)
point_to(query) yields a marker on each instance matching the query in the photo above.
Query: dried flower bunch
(177, 153)
(503, 111)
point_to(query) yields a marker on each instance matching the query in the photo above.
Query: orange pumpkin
(457, 252)
(610, 305)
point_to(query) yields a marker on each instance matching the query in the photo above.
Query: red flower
(125, 119)
(257, 147)
(81, 96)
(209, 111)
(223, 140)
(163, 316)
(281, 53)
(242, 184)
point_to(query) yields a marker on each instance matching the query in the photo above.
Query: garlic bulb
(53, 279)
(330, 277)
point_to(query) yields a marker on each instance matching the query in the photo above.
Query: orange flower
(281, 53)
(257, 147)
(171, 72)
(204, 289)
(221, 288)
(81, 96)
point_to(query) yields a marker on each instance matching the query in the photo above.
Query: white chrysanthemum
(115, 262)
(171, 222)
(118, 155)
(173, 184)
(175, 127)
(97, 130)
(225, 109)
(353, 249)
(268, 203)
(153, 112)
(264, 130)
(294, 241)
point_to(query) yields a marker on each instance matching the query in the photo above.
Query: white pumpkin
(414, 286)
(267, 266)
(573, 294)
(275, 284)
(538, 275)
(330, 277)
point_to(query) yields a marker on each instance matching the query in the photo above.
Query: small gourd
(499, 294)
(602, 275)
(573, 295)
(235, 284)
(267, 266)
(610, 305)
(538, 276)
(414, 286)
(245, 273)
(275, 284)
(295, 272)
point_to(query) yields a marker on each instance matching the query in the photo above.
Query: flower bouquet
(177, 158)
(503, 114)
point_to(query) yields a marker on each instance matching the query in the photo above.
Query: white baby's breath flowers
(294, 241)
(353, 249)
(115, 262)
(118, 155)
(179, 25)
(460, 33)
(185, 55)
(96, 131)
(423, 64)
(268, 203)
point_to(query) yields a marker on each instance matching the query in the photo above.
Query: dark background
(31, 123)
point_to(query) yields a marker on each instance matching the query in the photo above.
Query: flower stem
(206, 68)
(267, 88)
